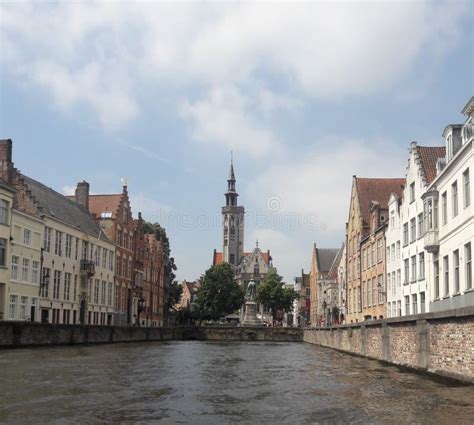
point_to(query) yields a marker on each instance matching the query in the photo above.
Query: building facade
(25, 266)
(114, 215)
(368, 195)
(6, 203)
(449, 220)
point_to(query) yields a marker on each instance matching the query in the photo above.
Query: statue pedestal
(250, 315)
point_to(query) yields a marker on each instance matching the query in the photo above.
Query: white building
(407, 288)
(449, 220)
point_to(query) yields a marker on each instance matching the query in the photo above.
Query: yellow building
(25, 266)
(6, 202)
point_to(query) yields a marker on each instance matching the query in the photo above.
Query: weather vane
(124, 181)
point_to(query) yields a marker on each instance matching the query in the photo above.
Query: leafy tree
(273, 295)
(218, 294)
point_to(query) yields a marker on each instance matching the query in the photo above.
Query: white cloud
(304, 185)
(224, 119)
(68, 190)
(106, 55)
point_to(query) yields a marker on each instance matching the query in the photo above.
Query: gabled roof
(99, 204)
(57, 206)
(375, 189)
(326, 257)
(218, 257)
(429, 156)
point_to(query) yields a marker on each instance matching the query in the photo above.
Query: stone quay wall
(438, 342)
(28, 334)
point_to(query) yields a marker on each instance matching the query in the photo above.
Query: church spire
(231, 171)
(231, 194)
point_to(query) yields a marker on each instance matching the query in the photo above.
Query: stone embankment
(441, 342)
(27, 334)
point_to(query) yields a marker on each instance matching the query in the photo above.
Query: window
(109, 293)
(414, 300)
(468, 265)
(103, 292)
(45, 283)
(76, 250)
(3, 252)
(420, 225)
(392, 219)
(422, 302)
(405, 234)
(23, 304)
(14, 268)
(413, 230)
(369, 257)
(67, 286)
(111, 261)
(232, 258)
(12, 307)
(380, 289)
(380, 250)
(130, 266)
(389, 310)
(27, 237)
(398, 250)
(412, 192)
(104, 258)
(35, 265)
(74, 294)
(119, 238)
(58, 250)
(444, 208)
(4, 211)
(413, 268)
(399, 308)
(456, 270)
(467, 188)
(436, 279)
(407, 269)
(56, 284)
(421, 265)
(407, 305)
(364, 259)
(374, 254)
(446, 275)
(394, 288)
(96, 291)
(47, 239)
(399, 278)
(68, 251)
(25, 270)
(454, 190)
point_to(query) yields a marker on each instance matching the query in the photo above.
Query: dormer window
(412, 192)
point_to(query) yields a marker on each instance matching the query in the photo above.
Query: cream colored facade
(354, 230)
(6, 201)
(78, 269)
(25, 267)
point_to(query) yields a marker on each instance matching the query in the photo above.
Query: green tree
(218, 294)
(273, 295)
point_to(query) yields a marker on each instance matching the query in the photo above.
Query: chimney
(6, 165)
(82, 194)
(6, 150)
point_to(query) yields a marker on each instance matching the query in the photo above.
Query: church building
(247, 266)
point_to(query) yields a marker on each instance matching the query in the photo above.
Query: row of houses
(408, 245)
(76, 259)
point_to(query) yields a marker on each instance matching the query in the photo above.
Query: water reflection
(219, 383)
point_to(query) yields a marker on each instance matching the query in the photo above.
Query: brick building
(369, 197)
(114, 215)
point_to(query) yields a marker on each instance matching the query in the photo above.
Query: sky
(305, 95)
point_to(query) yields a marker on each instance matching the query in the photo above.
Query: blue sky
(305, 95)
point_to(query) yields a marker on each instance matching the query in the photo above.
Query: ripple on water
(219, 383)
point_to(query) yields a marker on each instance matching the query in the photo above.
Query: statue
(251, 293)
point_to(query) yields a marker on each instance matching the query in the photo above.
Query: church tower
(232, 223)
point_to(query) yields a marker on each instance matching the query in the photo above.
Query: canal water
(219, 383)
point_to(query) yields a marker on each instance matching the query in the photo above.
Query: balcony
(431, 241)
(87, 268)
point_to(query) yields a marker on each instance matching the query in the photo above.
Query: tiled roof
(57, 206)
(428, 158)
(326, 257)
(335, 263)
(379, 190)
(219, 257)
(99, 204)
